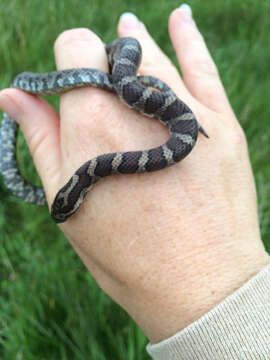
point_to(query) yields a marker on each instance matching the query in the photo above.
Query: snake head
(57, 210)
(69, 198)
(62, 208)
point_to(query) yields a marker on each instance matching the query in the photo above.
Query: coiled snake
(145, 94)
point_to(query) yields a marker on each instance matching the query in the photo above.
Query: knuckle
(153, 57)
(236, 144)
(231, 141)
(96, 123)
(38, 143)
(157, 68)
(238, 137)
(202, 67)
(201, 62)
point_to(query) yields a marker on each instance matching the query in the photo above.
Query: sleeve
(237, 328)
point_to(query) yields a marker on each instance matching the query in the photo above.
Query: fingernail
(186, 7)
(130, 20)
(9, 106)
(186, 12)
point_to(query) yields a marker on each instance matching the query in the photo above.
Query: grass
(50, 307)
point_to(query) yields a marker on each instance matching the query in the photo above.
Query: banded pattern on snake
(145, 94)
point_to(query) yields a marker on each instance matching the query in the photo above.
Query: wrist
(200, 289)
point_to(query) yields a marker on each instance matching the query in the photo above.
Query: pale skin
(170, 245)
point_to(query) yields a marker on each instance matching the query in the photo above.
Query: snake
(145, 94)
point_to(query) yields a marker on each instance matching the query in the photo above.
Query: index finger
(74, 49)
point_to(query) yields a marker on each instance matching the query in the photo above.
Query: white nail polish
(186, 7)
(130, 19)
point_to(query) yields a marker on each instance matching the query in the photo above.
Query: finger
(40, 125)
(154, 61)
(74, 49)
(199, 71)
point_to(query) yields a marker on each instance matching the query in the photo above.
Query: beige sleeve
(237, 328)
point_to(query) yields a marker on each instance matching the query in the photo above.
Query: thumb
(39, 123)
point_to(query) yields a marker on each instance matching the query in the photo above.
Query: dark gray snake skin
(145, 94)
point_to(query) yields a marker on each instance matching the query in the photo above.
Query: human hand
(167, 246)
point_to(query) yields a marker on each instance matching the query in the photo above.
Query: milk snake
(145, 94)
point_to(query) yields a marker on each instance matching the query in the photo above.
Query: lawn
(50, 307)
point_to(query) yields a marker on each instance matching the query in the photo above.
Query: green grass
(50, 307)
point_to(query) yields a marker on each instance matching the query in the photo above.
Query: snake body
(145, 94)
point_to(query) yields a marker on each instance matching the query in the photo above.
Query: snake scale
(145, 94)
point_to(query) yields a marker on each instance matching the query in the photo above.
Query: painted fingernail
(9, 106)
(130, 20)
(186, 12)
(186, 7)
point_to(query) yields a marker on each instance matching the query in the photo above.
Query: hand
(167, 246)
